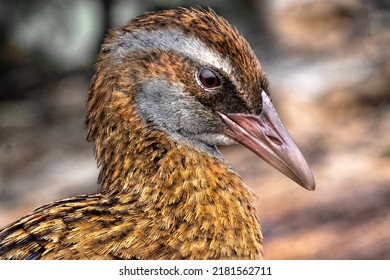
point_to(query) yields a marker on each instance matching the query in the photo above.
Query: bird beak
(266, 136)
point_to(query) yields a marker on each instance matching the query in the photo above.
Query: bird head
(190, 74)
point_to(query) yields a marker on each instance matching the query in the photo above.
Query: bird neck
(136, 158)
(187, 189)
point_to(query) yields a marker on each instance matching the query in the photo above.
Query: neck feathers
(195, 197)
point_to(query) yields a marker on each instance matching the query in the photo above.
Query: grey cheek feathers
(182, 117)
(170, 40)
(170, 108)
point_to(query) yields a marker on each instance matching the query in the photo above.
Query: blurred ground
(329, 67)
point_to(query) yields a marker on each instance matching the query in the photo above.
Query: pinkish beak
(266, 136)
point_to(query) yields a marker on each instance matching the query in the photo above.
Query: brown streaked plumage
(168, 88)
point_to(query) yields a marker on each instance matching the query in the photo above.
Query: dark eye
(209, 79)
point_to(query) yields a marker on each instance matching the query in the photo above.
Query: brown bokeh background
(328, 62)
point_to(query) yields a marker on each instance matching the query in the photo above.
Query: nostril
(275, 140)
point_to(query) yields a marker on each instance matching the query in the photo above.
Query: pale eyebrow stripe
(171, 39)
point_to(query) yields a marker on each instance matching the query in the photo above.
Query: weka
(169, 87)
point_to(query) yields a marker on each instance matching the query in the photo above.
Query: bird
(169, 88)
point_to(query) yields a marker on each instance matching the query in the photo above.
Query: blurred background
(328, 62)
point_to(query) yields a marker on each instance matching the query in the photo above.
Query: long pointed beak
(266, 136)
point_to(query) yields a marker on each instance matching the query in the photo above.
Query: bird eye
(209, 79)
